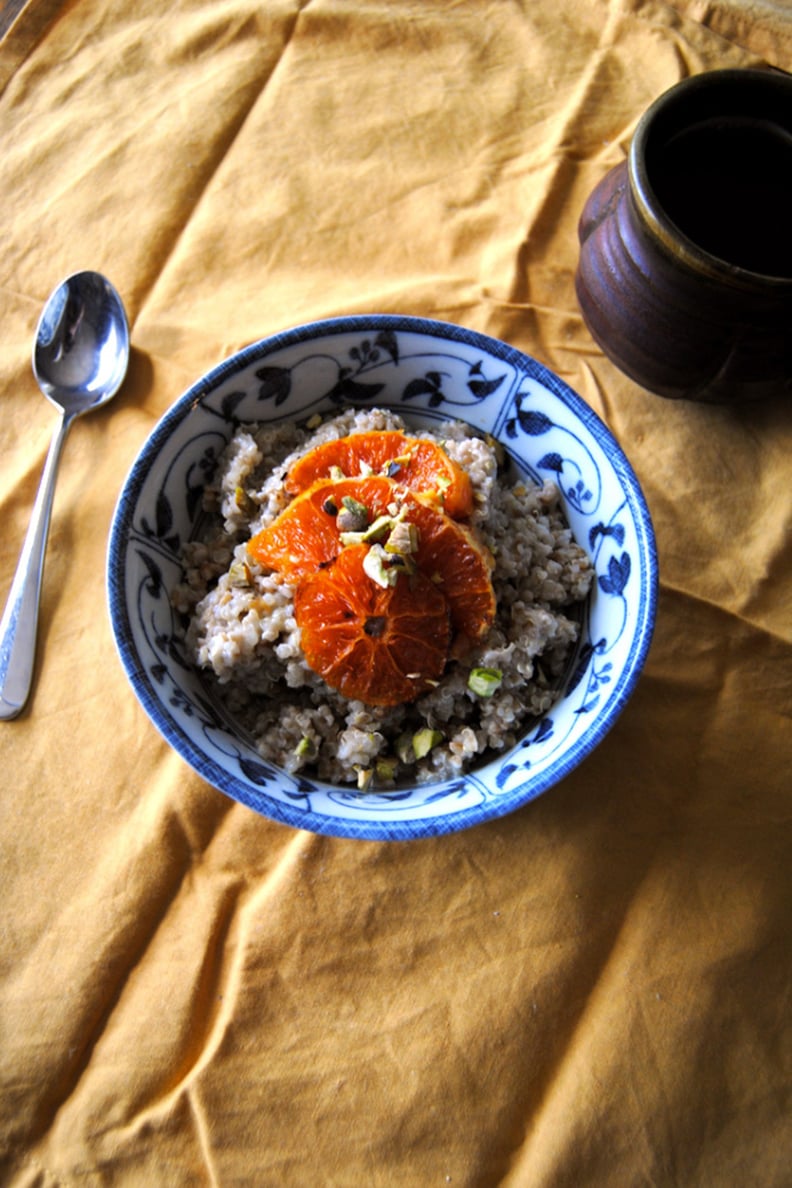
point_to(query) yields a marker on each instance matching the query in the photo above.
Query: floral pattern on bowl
(429, 372)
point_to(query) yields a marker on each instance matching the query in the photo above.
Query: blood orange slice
(382, 646)
(451, 556)
(306, 534)
(416, 463)
(305, 537)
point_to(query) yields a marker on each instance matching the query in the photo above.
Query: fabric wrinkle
(591, 990)
(215, 165)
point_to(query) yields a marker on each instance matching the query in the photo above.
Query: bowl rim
(375, 828)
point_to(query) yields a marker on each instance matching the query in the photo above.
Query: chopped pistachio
(352, 516)
(336, 473)
(424, 739)
(404, 748)
(306, 748)
(379, 528)
(403, 538)
(375, 566)
(330, 506)
(375, 531)
(239, 574)
(354, 505)
(364, 777)
(484, 681)
(392, 467)
(243, 501)
(314, 422)
(385, 769)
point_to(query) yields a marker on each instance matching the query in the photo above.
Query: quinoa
(241, 627)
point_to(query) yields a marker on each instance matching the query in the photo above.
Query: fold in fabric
(589, 991)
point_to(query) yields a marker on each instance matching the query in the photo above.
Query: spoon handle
(19, 625)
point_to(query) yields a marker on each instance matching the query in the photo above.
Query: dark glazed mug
(685, 270)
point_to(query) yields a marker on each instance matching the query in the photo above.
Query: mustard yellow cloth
(593, 991)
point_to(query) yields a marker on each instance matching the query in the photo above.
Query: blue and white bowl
(427, 371)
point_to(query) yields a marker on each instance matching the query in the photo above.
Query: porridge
(376, 605)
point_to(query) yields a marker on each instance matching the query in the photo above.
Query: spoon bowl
(80, 358)
(81, 349)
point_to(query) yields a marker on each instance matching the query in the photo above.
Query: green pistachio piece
(423, 740)
(484, 681)
(364, 777)
(352, 516)
(374, 565)
(306, 748)
(385, 769)
(239, 574)
(375, 531)
(244, 501)
(404, 748)
(403, 539)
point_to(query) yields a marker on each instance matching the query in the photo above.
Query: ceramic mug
(685, 269)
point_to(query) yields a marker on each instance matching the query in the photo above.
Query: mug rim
(649, 208)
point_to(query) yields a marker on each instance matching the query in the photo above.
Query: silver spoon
(80, 358)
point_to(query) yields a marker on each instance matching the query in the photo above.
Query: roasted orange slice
(420, 465)
(379, 645)
(452, 557)
(306, 537)
(306, 534)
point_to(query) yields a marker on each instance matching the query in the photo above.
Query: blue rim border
(381, 830)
